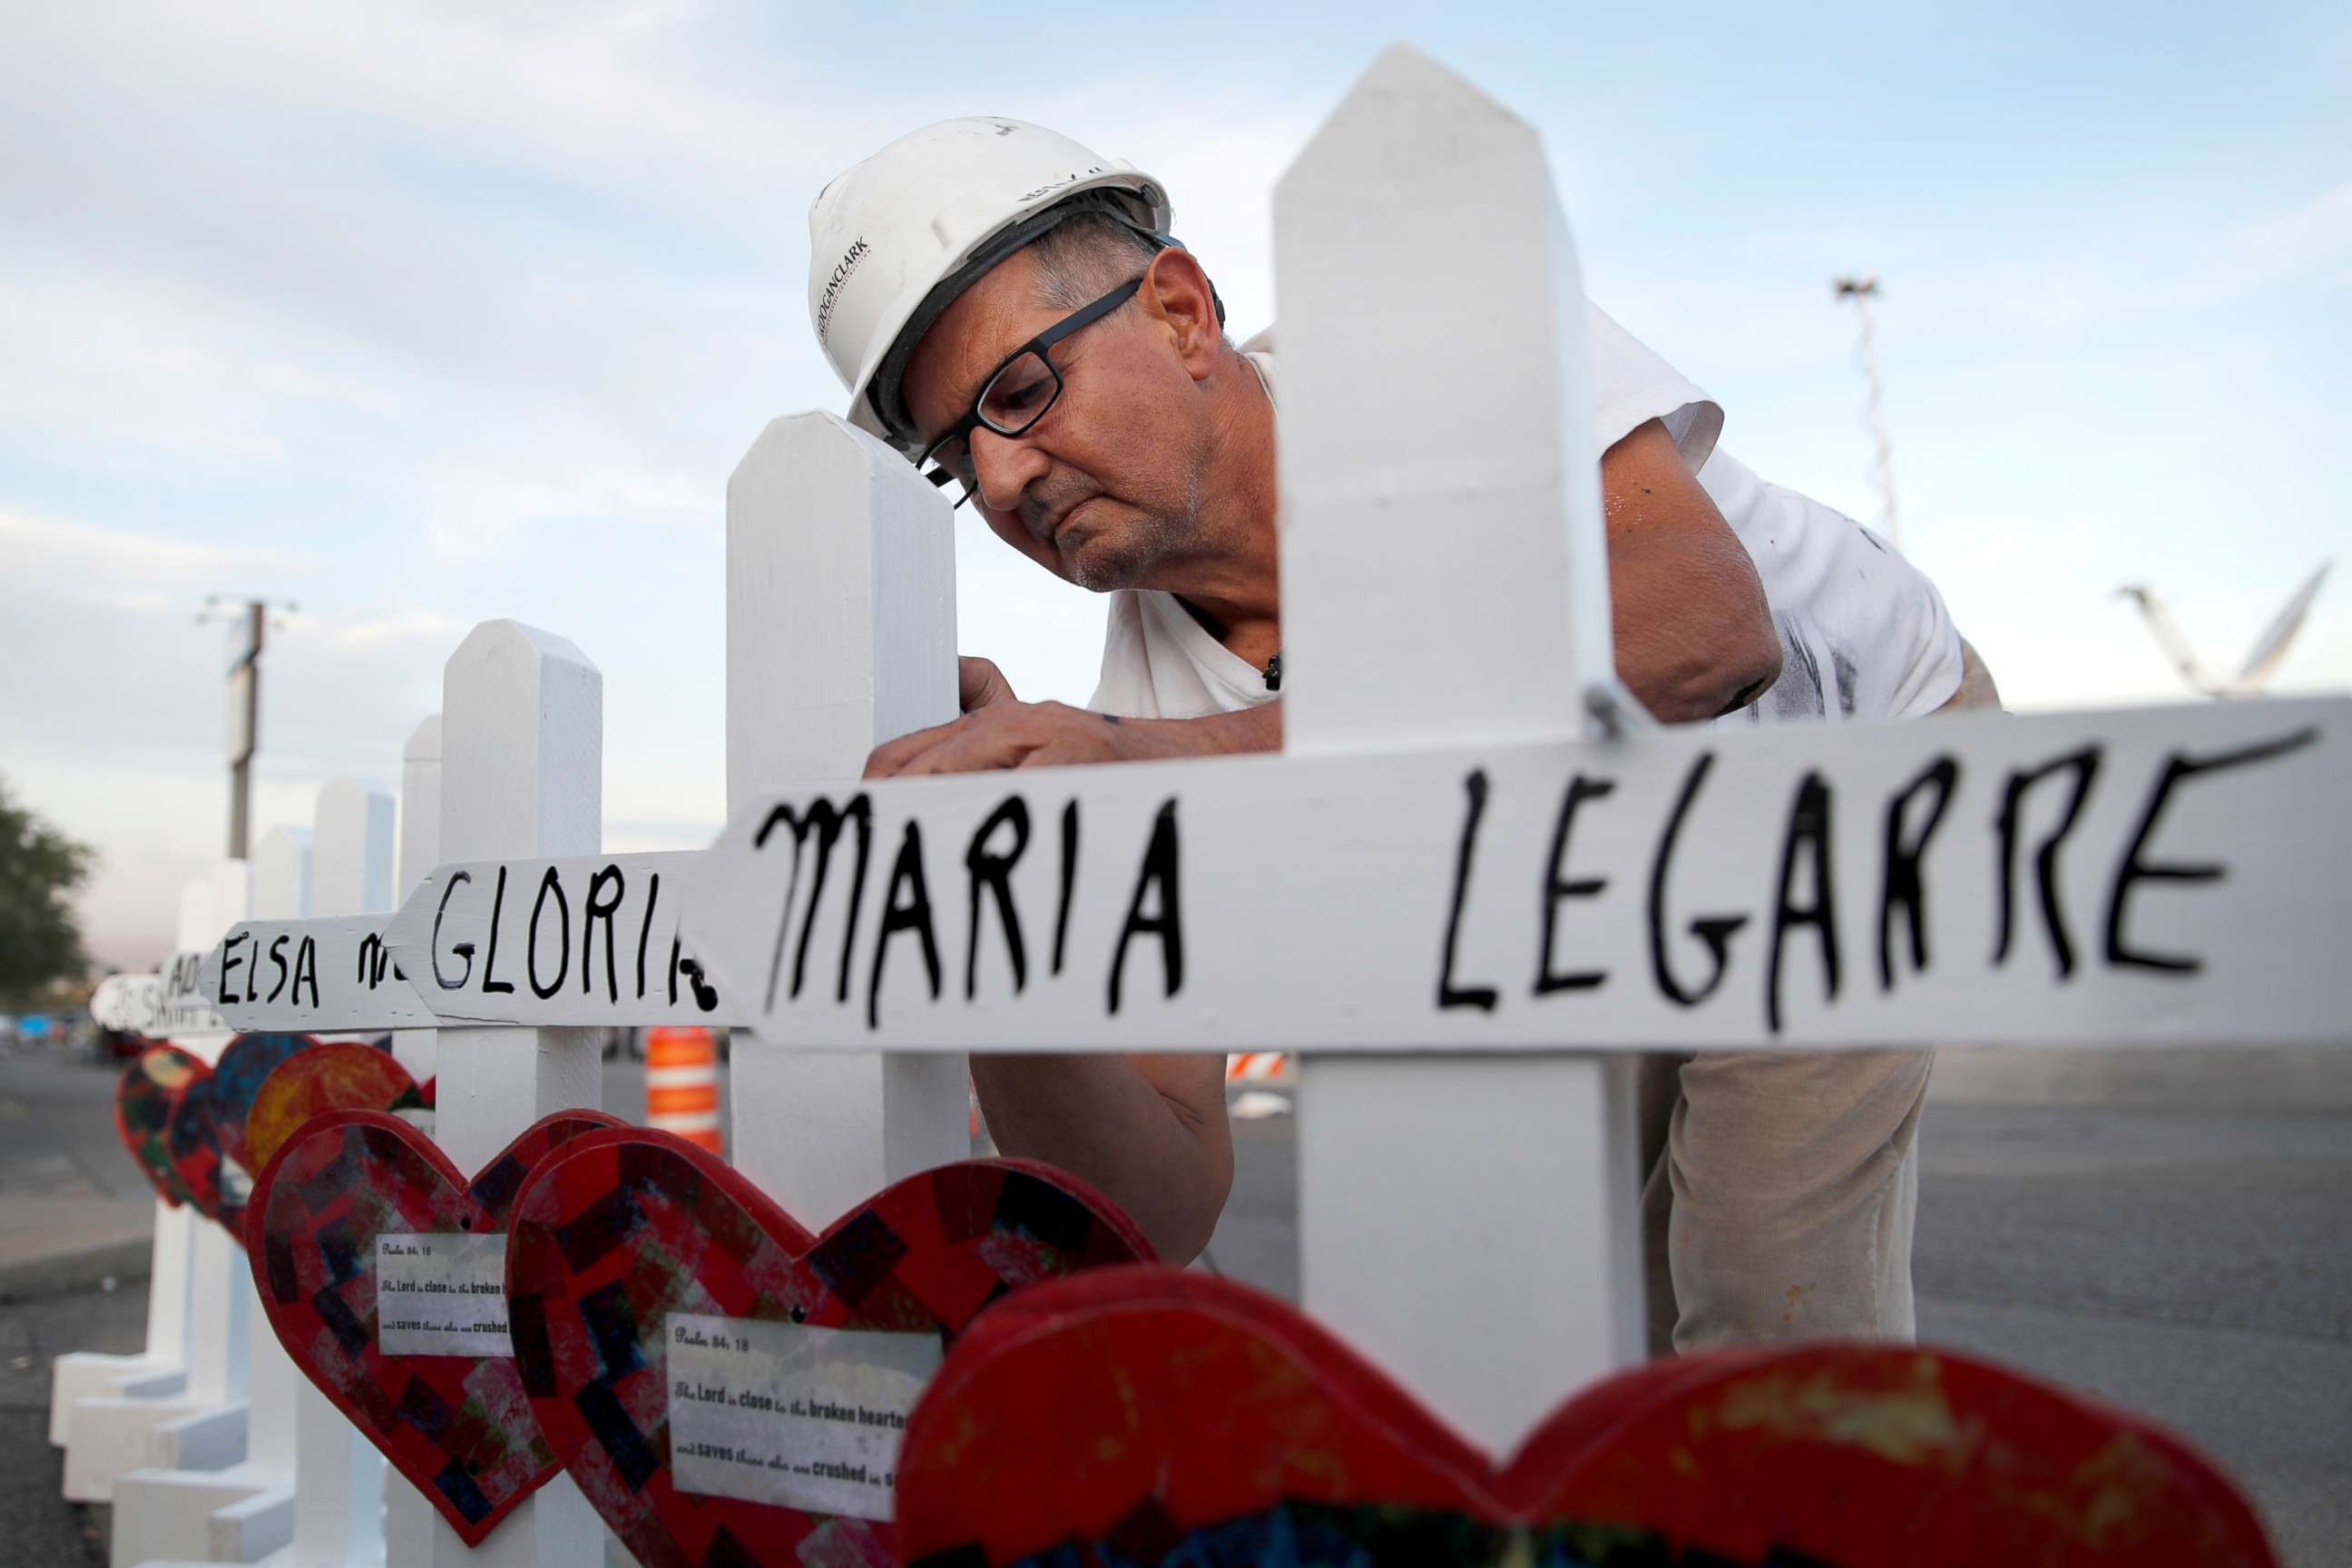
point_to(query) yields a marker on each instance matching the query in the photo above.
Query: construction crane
(2270, 648)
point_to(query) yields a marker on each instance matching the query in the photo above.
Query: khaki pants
(1780, 1196)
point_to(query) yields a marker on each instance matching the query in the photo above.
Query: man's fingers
(891, 757)
(979, 683)
(975, 748)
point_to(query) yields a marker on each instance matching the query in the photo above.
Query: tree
(40, 942)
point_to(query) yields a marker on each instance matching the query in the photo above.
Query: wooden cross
(103, 1408)
(1472, 887)
(1475, 882)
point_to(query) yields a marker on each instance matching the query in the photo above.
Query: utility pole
(249, 624)
(1862, 291)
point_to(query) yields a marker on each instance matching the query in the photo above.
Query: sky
(414, 315)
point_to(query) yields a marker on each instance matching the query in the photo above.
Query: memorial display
(155, 1081)
(726, 1385)
(1143, 1419)
(206, 1131)
(381, 1267)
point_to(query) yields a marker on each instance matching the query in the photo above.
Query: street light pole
(1862, 290)
(249, 623)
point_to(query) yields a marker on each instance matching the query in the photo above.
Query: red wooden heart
(340, 1074)
(149, 1088)
(1138, 1417)
(457, 1425)
(627, 1228)
(206, 1131)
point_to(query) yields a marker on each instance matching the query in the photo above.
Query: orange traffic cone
(682, 1084)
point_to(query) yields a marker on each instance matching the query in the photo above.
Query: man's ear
(1180, 299)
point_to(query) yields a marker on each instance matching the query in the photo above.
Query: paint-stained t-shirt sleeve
(1864, 633)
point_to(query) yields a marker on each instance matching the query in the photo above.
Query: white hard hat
(896, 238)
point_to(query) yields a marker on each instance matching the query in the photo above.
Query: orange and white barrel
(682, 1084)
(1256, 1066)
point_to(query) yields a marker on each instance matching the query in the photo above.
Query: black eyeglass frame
(1085, 316)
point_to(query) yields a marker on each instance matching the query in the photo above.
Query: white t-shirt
(1863, 633)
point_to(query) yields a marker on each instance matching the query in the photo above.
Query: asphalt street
(66, 1184)
(2173, 1234)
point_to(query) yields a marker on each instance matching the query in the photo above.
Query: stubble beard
(1143, 544)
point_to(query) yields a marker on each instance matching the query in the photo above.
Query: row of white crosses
(104, 1408)
(1472, 887)
(209, 1443)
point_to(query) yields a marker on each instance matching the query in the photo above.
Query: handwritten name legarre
(2022, 878)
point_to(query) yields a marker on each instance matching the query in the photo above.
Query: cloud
(79, 558)
(393, 629)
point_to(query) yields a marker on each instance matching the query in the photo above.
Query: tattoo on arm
(1111, 718)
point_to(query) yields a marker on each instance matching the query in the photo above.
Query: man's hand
(979, 683)
(1000, 731)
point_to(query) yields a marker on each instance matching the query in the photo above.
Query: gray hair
(1087, 255)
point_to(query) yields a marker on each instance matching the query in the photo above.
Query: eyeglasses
(1016, 395)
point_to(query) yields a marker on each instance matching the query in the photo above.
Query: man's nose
(1004, 467)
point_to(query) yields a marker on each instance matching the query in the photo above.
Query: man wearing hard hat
(1009, 309)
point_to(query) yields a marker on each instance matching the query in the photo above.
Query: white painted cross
(104, 1408)
(1475, 882)
(420, 848)
(335, 1475)
(1472, 886)
(521, 774)
(194, 1466)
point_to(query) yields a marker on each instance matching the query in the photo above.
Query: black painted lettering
(675, 948)
(706, 995)
(1808, 837)
(984, 867)
(490, 981)
(463, 950)
(1558, 886)
(2179, 769)
(912, 913)
(549, 882)
(1070, 880)
(1901, 885)
(646, 929)
(1160, 870)
(229, 963)
(592, 908)
(825, 820)
(306, 968)
(277, 961)
(1715, 931)
(1450, 993)
(2085, 766)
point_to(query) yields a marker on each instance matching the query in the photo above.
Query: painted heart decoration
(760, 1432)
(205, 1134)
(340, 1075)
(1147, 1419)
(150, 1087)
(401, 1361)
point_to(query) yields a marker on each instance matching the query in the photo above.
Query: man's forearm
(1101, 1119)
(1258, 729)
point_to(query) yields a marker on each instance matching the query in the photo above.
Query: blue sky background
(422, 314)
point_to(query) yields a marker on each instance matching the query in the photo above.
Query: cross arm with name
(2115, 876)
